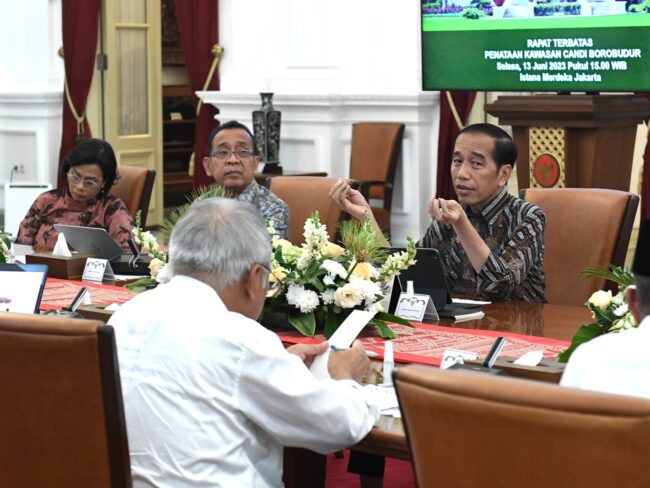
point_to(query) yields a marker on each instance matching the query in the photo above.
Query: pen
(370, 354)
(494, 352)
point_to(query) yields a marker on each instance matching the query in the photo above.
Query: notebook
(21, 287)
(94, 241)
(429, 278)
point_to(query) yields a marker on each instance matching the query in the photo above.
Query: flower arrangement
(609, 311)
(7, 254)
(322, 282)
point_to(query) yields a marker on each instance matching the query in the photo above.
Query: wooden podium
(573, 140)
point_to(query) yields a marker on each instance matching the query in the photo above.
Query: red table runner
(426, 343)
(59, 293)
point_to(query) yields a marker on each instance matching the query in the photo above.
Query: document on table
(341, 339)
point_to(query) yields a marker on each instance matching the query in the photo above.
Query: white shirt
(613, 363)
(211, 396)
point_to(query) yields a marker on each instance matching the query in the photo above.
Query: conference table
(387, 438)
(306, 468)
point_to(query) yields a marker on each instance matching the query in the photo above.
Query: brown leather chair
(304, 195)
(469, 429)
(61, 413)
(134, 186)
(585, 228)
(375, 151)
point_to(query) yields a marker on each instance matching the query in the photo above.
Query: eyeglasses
(75, 178)
(225, 154)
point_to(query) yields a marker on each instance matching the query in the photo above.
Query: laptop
(429, 278)
(94, 241)
(21, 287)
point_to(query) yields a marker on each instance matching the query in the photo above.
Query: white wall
(31, 87)
(331, 64)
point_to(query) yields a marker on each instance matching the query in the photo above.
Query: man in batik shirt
(232, 162)
(491, 243)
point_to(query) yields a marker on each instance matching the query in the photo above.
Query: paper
(469, 316)
(61, 247)
(97, 270)
(112, 307)
(383, 397)
(531, 358)
(342, 339)
(416, 306)
(470, 302)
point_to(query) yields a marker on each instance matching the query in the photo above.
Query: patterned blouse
(272, 207)
(514, 231)
(57, 207)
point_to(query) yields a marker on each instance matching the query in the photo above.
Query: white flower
(601, 299)
(620, 310)
(369, 289)
(305, 259)
(299, 297)
(349, 295)
(619, 298)
(328, 296)
(375, 307)
(155, 265)
(624, 323)
(334, 269)
(395, 263)
(315, 234)
(163, 275)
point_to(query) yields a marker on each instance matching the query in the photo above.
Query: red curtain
(198, 28)
(80, 23)
(463, 101)
(645, 182)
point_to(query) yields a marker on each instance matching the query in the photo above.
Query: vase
(266, 128)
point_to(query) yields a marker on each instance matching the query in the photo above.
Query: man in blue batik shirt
(232, 162)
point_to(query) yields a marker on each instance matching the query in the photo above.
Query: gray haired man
(210, 395)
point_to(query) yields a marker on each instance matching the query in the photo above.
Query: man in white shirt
(211, 397)
(619, 362)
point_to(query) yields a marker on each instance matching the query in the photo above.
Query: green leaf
(584, 334)
(384, 330)
(392, 318)
(623, 277)
(331, 324)
(141, 285)
(305, 323)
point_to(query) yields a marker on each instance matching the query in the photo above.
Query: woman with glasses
(89, 171)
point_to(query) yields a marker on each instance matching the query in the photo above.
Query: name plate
(416, 306)
(97, 270)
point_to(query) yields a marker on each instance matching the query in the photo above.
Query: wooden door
(132, 81)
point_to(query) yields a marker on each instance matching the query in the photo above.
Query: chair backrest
(585, 227)
(304, 195)
(61, 413)
(134, 187)
(468, 429)
(375, 150)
